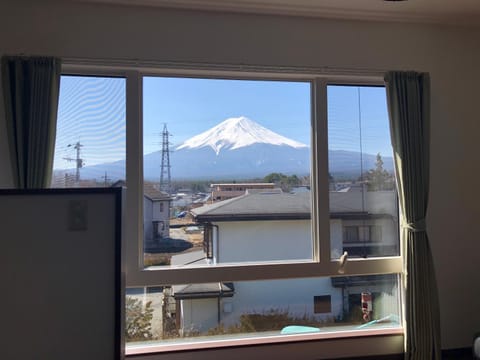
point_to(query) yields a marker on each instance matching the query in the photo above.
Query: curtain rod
(222, 67)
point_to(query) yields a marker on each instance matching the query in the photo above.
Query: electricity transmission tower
(165, 178)
(78, 160)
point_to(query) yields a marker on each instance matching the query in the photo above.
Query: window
(362, 233)
(90, 146)
(322, 304)
(363, 198)
(351, 234)
(254, 136)
(265, 183)
(208, 240)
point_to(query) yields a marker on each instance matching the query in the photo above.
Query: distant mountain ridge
(240, 148)
(255, 160)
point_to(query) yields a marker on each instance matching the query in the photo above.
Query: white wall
(151, 212)
(198, 315)
(294, 296)
(451, 55)
(161, 212)
(264, 241)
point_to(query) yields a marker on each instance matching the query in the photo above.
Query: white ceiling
(456, 12)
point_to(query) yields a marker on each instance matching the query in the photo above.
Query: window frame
(320, 265)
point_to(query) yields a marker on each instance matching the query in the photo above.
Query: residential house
(156, 213)
(271, 226)
(198, 307)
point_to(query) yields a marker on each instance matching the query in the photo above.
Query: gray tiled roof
(151, 191)
(205, 290)
(264, 203)
(278, 206)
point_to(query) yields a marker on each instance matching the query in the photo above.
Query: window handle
(343, 262)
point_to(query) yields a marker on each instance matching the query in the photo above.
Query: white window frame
(320, 265)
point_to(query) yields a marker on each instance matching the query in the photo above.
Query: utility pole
(165, 178)
(105, 179)
(78, 160)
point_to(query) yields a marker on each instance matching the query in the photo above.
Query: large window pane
(228, 310)
(226, 171)
(90, 143)
(363, 199)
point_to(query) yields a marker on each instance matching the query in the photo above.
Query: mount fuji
(236, 148)
(240, 148)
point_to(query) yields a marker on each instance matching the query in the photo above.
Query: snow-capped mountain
(235, 133)
(235, 148)
(239, 148)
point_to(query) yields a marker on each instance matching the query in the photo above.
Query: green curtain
(30, 90)
(408, 98)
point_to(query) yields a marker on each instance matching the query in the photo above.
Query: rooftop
(257, 205)
(151, 191)
(286, 206)
(203, 291)
(244, 184)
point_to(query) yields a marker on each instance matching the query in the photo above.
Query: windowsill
(204, 343)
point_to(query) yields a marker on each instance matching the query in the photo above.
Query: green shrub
(138, 320)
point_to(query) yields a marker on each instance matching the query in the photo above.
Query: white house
(269, 226)
(156, 213)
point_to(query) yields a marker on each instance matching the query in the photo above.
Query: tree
(138, 320)
(273, 178)
(283, 181)
(379, 178)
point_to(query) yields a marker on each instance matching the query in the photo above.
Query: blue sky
(92, 111)
(356, 113)
(190, 106)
